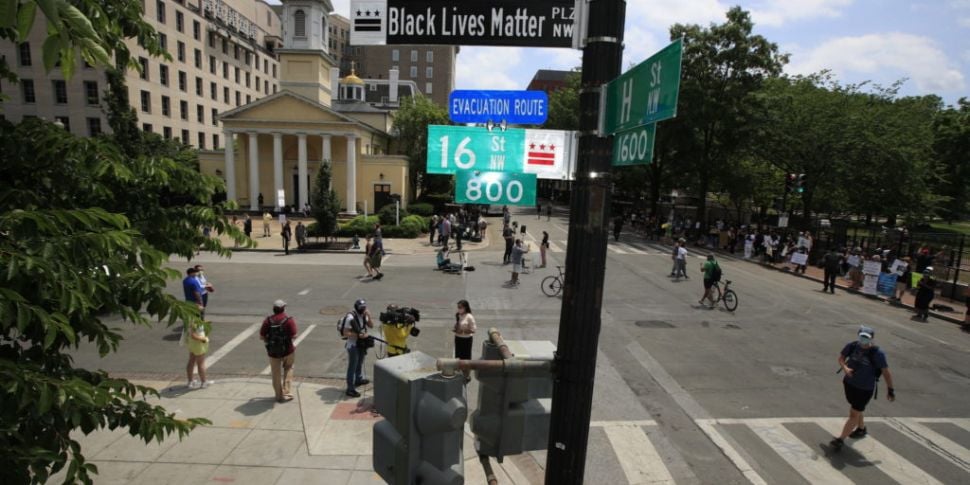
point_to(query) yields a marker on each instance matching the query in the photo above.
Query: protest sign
(799, 259)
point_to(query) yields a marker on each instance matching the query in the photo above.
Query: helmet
(360, 305)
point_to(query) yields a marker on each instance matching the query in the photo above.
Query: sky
(858, 40)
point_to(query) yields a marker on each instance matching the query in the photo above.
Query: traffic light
(800, 183)
(515, 402)
(420, 438)
(790, 182)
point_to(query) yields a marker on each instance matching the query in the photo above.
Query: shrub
(416, 223)
(402, 231)
(387, 214)
(359, 225)
(421, 208)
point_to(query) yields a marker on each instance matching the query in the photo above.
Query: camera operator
(354, 327)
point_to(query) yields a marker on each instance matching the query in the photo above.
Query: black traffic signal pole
(579, 324)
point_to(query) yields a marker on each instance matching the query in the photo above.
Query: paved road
(684, 394)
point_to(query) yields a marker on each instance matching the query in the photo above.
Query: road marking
(615, 249)
(296, 342)
(635, 422)
(802, 458)
(941, 445)
(637, 456)
(557, 226)
(631, 248)
(880, 456)
(681, 396)
(707, 425)
(230, 345)
(304, 292)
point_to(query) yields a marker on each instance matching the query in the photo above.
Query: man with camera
(353, 328)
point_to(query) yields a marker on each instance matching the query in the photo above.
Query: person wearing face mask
(863, 363)
(206, 285)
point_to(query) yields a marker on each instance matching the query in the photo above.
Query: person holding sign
(902, 268)
(925, 292)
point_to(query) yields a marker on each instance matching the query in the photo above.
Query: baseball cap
(279, 304)
(866, 332)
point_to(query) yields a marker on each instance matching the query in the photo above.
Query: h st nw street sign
(645, 94)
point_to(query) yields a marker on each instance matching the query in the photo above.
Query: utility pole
(579, 324)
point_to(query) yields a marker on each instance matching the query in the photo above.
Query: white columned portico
(254, 171)
(351, 173)
(326, 157)
(230, 151)
(301, 173)
(277, 168)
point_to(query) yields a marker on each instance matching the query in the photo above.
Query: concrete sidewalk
(321, 436)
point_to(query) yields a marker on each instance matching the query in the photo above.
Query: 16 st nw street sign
(536, 23)
(645, 94)
(453, 149)
(495, 188)
(512, 107)
(634, 147)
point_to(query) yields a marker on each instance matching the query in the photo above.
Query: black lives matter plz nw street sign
(536, 23)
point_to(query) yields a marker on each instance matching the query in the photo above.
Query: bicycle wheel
(380, 350)
(551, 285)
(730, 300)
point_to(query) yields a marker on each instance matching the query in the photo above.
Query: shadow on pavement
(256, 406)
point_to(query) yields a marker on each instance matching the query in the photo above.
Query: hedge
(421, 208)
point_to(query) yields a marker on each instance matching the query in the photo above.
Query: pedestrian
(538, 210)
(193, 290)
(516, 258)
(508, 234)
(925, 292)
(673, 257)
(353, 328)
(863, 363)
(259, 200)
(749, 245)
(206, 285)
(376, 255)
(617, 227)
(549, 212)
(506, 215)
(445, 230)
(286, 233)
(300, 235)
(431, 228)
(248, 226)
(831, 263)
(196, 334)
(267, 220)
(712, 273)
(377, 232)
(682, 259)
(464, 332)
(367, 249)
(904, 278)
(543, 247)
(277, 333)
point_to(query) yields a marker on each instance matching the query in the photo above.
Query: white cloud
(776, 13)
(964, 22)
(490, 68)
(661, 14)
(888, 54)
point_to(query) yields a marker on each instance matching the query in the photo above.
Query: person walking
(617, 227)
(508, 235)
(286, 233)
(354, 327)
(248, 226)
(277, 333)
(445, 230)
(543, 247)
(538, 210)
(259, 200)
(300, 235)
(711, 272)
(549, 212)
(464, 331)
(193, 290)
(367, 249)
(831, 263)
(925, 292)
(198, 344)
(376, 255)
(431, 228)
(516, 258)
(680, 259)
(267, 220)
(863, 363)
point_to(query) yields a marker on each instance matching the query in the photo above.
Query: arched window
(299, 24)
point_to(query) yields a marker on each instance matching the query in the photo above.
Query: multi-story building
(431, 67)
(223, 56)
(346, 56)
(548, 80)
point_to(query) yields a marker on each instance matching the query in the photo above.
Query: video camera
(400, 315)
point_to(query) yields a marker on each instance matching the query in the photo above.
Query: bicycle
(552, 285)
(728, 296)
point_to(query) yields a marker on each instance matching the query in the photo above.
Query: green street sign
(645, 94)
(504, 188)
(452, 149)
(634, 147)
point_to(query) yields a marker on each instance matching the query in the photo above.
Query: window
(249, 58)
(60, 91)
(238, 98)
(274, 70)
(215, 142)
(299, 24)
(213, 92)
(94, 126)
(183, 81)
(198, 86)
(179, 21)
(163, 41)
(64, 120)
(265, 66)
(163, 74)
(199, 113)
(429, 56)
(257, 83)
(225, 46)
(212, 40)
(167, 132)
(249, 99)
(215, 117)
(184, 110)
(266, 87)
(237, 75)
(247, 80)
(225, 70)
(212, 64)
(180, 51)
(24, 54)
(395, 55)
(225, 94)
(91, 93)
(414, 72)
(146, 103)
(274, 89)
(429, 72)
(185, 137)
(235, 52)
(201, 140)
(198, 59)
(160, 7)
(427, 88)
(144, 67)
(196, 29)
(414, 55)
(146, 127)
(27, 87)
(166, 106)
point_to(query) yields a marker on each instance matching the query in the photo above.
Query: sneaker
(363, 382)
(837, 444)
(858, 433)
(206, 384)
(352, 393)
(193, 385)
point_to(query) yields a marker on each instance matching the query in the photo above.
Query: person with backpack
(277, 333)
(925, 292)
(712, 274)
(863, 363)
(353, 329)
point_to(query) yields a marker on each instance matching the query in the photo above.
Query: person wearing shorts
(376, 254)
(860, 360)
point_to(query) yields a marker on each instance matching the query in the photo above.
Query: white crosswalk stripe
(638, 457)
(616, 249)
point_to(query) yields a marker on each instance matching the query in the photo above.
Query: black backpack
(278, 340)
(716, 272)
(871, 355)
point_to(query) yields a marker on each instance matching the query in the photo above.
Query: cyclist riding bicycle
(712, 274)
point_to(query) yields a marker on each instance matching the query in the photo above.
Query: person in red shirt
(278, 332)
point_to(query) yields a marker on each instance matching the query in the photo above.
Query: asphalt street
(708, 395)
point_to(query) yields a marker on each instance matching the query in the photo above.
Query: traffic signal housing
(800, 183)
(790, 182)
(420, 438)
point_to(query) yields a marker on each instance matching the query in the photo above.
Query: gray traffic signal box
(420, 439)
(514, 403)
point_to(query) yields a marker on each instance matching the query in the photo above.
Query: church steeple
(304, 59)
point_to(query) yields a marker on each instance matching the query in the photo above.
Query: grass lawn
(957, 227)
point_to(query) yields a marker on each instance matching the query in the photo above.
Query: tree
(722, 66)
(411, 129)
(564, 104)
(325, 205)
(951, 144)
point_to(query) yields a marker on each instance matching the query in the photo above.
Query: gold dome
(353, 79)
